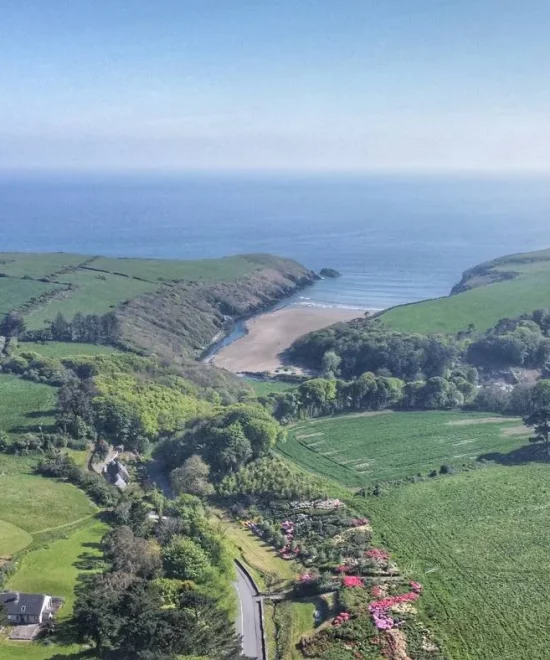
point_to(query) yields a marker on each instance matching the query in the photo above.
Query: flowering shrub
(416, 586)
(377, 554)
(352, 581)
(307, 577)
(360, 522)
(379, 609)
(377, 591)
(340, 619)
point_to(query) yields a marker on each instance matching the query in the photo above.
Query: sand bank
(270, 334)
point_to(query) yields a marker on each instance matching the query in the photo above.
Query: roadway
(248, 620)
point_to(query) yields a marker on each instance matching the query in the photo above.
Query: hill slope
(503, 288)
(168, 307)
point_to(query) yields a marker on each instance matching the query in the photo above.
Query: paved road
(248, 620)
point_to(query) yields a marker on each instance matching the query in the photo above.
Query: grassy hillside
(360, 450)
(503, 288)
(168, 307)
(479, 543)
(32, 505)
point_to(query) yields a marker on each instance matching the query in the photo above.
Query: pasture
(478, 541)
(484, 305)
(25, 405)
(31, 505)
(366, 448)
(62, 349)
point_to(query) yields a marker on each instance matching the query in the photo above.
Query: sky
(330, 85)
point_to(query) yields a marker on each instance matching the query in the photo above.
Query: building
(117, 474)
(23, 609)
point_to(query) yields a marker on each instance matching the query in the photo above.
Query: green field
(478, 541)
(265, 387)
(34, 504)
(165, 270)
(484, 305)
(62, 349)
(360, 450)
(25, 405)
(15, 292)
(92, 293)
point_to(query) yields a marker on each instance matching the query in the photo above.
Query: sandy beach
(270, 334)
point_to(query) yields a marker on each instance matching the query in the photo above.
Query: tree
(12, 325)
(192, 477)
(96, 609)
(539, 418)
(330, 364)
(132, 554)
(185, 560)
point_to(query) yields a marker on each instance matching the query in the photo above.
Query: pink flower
(416, 586)
(352, 581)
(377, 554)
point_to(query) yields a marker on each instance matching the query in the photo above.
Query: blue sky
(275, 84)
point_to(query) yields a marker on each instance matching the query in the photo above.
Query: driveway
(248, 621)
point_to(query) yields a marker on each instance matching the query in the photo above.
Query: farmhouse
(27, 608)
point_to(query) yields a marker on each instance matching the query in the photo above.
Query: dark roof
(18, 603)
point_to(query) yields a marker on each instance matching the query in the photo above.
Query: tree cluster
(225, 441)
(523, 342)
(159, 597)
(350, 349)
(83, 328)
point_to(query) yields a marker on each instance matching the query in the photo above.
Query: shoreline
(266, 336)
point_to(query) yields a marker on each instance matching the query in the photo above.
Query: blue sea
(394, 239)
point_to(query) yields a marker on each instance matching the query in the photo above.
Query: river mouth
(258, 348)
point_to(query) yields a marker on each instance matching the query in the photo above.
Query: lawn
(478, 541)
(293, 620)
(35, 504)
(54, 568)
(361, 450)
(12, 539)
(483, 306)
(25, 405)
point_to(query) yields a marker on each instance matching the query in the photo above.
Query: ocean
(394, 239)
